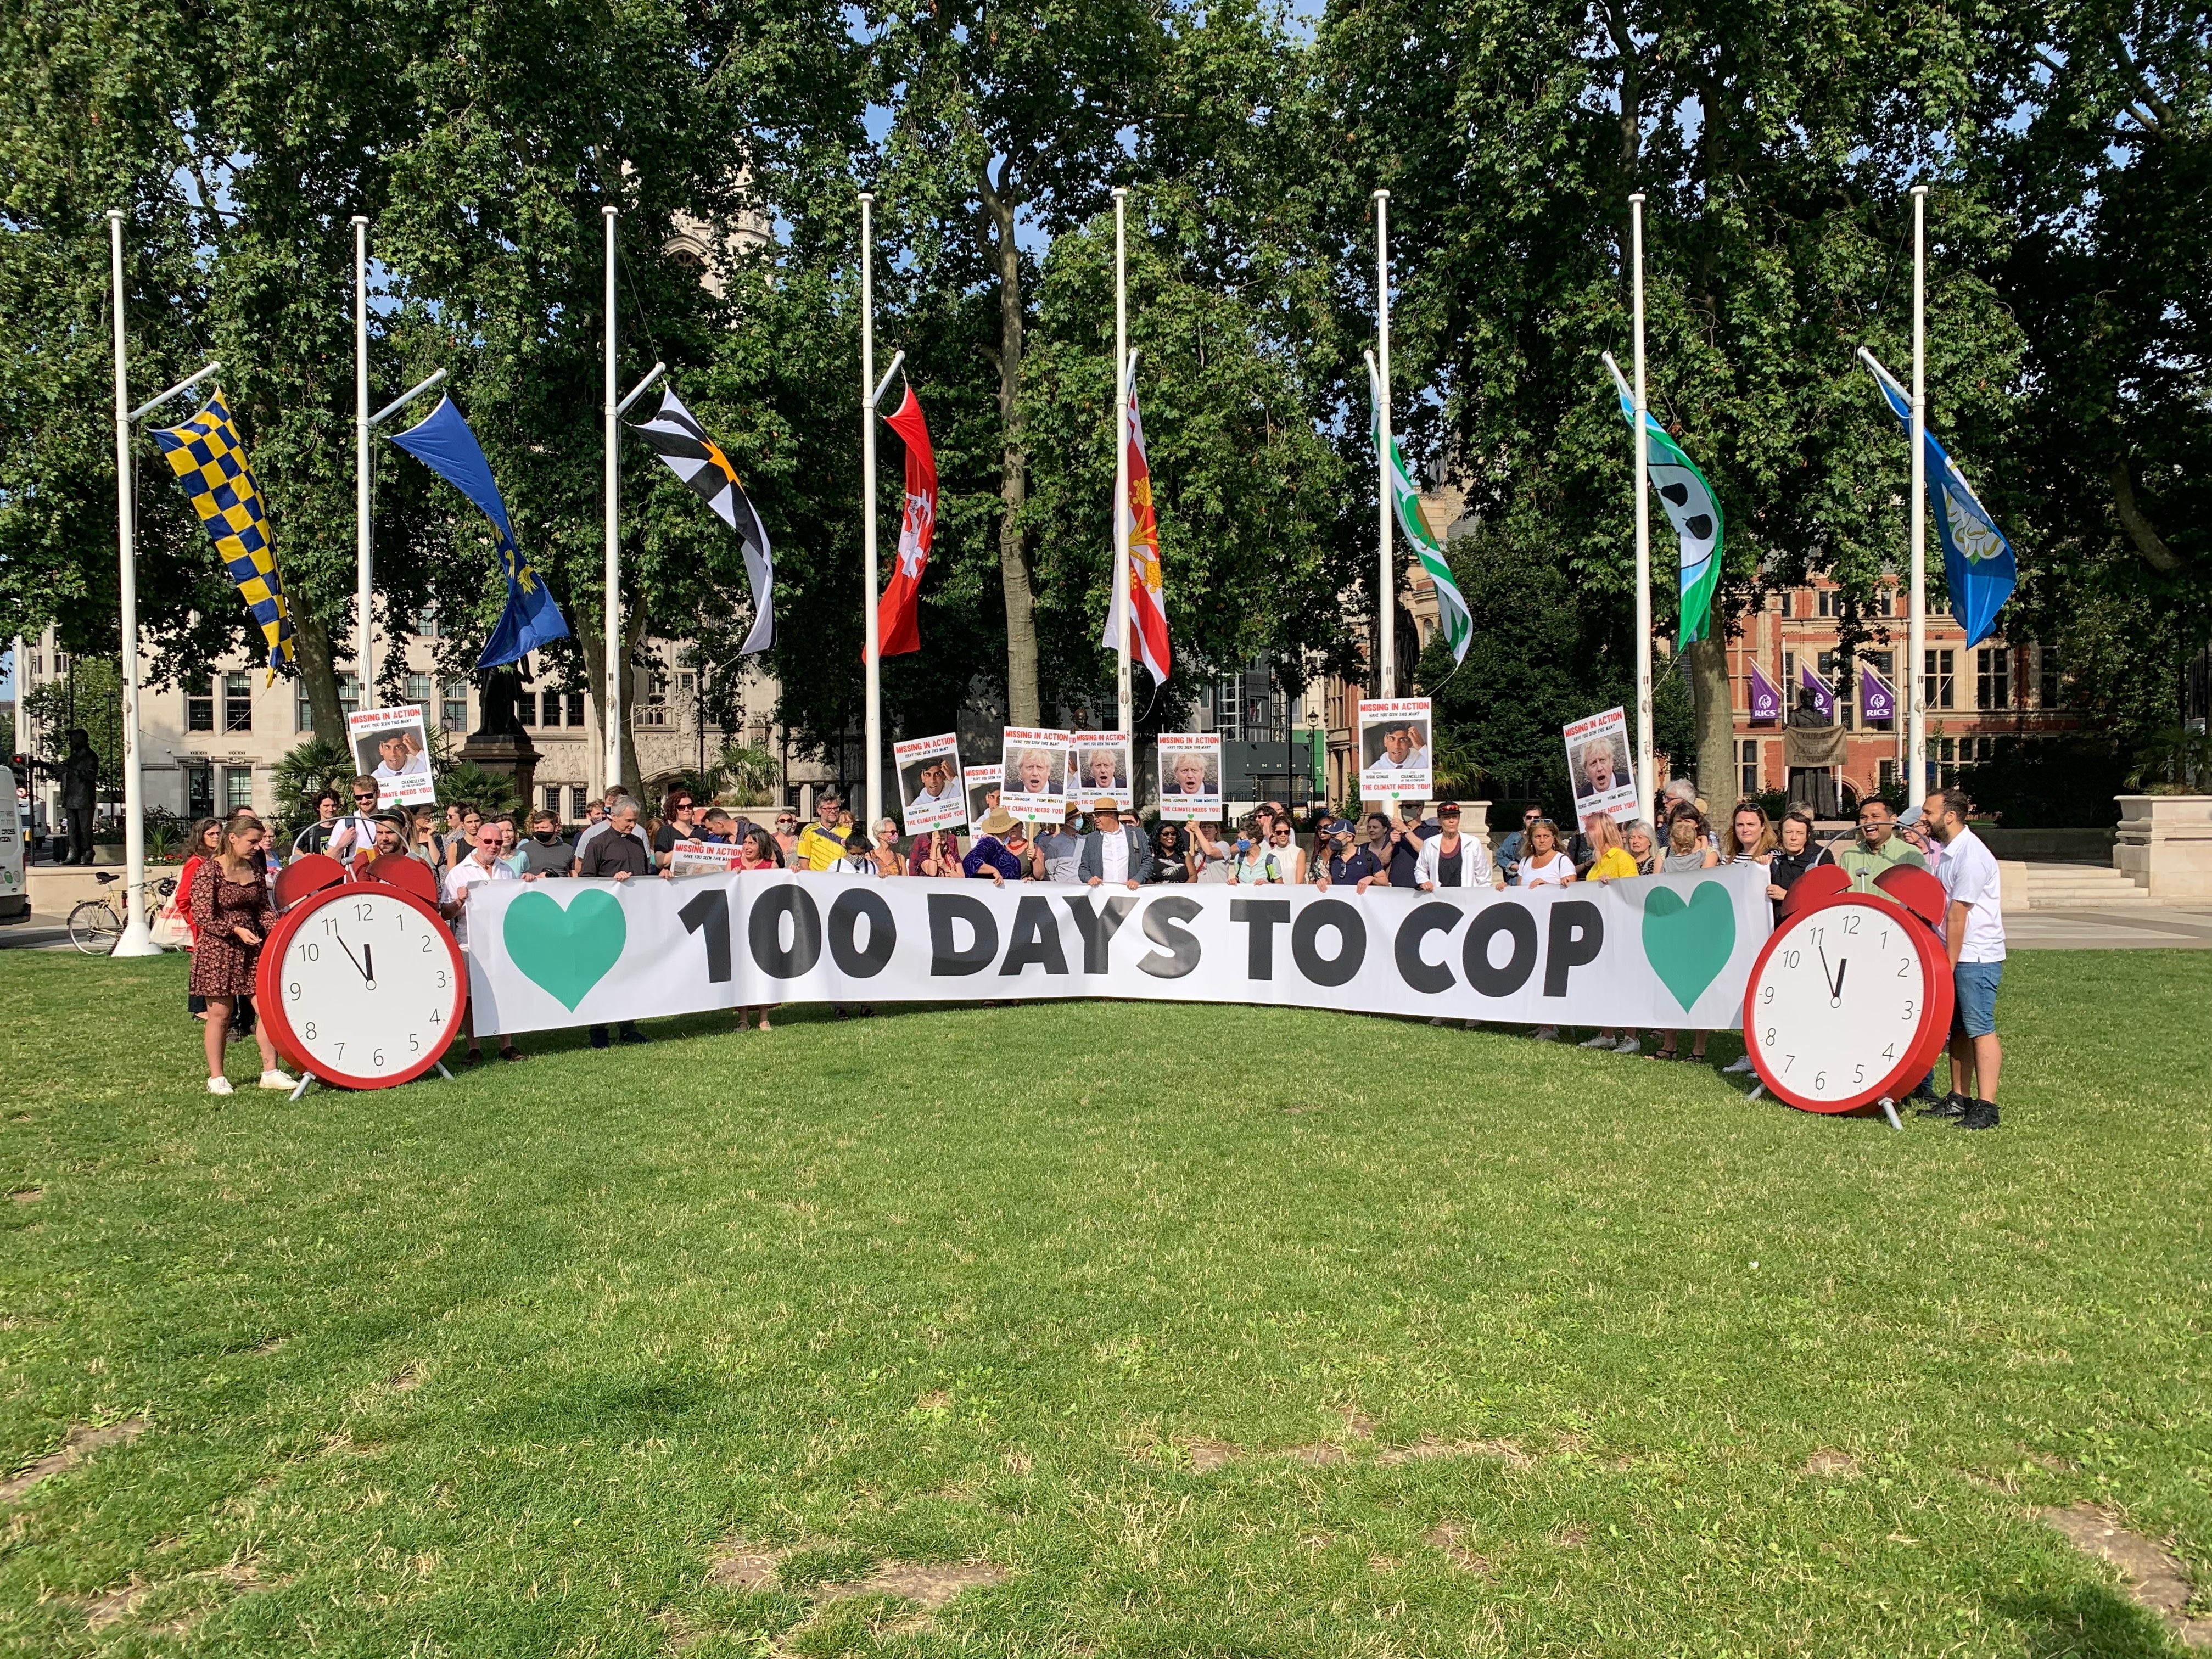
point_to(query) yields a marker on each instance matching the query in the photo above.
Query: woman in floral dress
(231, 915)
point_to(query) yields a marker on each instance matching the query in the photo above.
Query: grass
(492, 1367)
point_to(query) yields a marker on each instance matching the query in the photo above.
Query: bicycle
(95, 924)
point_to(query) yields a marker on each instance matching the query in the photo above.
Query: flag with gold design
(1146, 619)
(441, 440)
(674, 435)
(210, 467)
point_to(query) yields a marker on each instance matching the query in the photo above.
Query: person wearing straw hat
(1114, 852)
(989, 858)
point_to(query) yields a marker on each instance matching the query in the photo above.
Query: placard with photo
(1190, 777)
(929, 781)
(701, 858)
(1395, 760)
(1601, 766)
(392, 746)
(1099, 769)
(1033, 773)
(982, 791)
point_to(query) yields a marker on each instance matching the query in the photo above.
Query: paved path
(2149, 927)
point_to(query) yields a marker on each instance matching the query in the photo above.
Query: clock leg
(442, 1071)
(1757, 1092)
(1889, 1111)
(305, 1079)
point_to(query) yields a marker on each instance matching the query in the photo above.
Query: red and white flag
(898, 627)
(1147, 619)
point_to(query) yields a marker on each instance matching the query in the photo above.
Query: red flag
(897, 618)
(1147, 619)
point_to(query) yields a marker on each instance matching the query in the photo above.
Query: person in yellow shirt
(822, 843)
(1614, 862)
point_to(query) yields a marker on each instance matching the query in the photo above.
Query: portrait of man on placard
(393, 757)
(1397, 746)
(1037, 772)
(933, 781)
(1099, 770)
(1600, 766)
(982, 785)
(1188, 774)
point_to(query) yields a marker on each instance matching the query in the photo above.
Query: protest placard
(1099, 769)
(982, 791)
(1600, 767)
(1394, 762)
(1190, 776)
(392, 746)
(929, 783)
(1033, 773)
(701, 858)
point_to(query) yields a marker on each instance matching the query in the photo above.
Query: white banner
(1657, 951)
(929, 783)
(1600, 766)
(1190, 776)
(1394, 762)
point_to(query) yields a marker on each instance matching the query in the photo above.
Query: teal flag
(1691, 507)
(1452, 605)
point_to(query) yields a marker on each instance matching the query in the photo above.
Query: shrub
(2052, 783)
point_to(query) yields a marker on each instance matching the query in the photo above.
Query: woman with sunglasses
(1543, 864)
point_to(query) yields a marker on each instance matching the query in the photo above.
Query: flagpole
(1124, 700)
(1386, 584)
(871, 649)
(364, 526)
(615, 653)
(136, 940)
(1916, 739)
(1647, 784)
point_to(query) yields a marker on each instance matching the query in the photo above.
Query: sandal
(1665, 1054)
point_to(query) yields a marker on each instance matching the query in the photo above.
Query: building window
(238, 788)
(525, 707)
(1939, 680)
(199, 710)
(1993, 678)
(1828, 605)
(1885, 599)
(1845, 708)
(2046, 664)
(237, 702)
(303, 715)
(199, 791)
(1229, 707)
(1889, 774)
(578, 807)
(551, 793)
(425, 625)
(576, 711)
(418, 692)
(1789, 679)
(1748, 757)
(454, 706)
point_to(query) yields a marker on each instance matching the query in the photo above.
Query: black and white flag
(680, 441)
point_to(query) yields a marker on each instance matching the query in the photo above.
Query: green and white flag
(1451, 604)
(1690, 504)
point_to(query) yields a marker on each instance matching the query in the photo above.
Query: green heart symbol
(1688, 944)
(567, 951)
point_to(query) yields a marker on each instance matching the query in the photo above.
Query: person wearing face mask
(1345, 862)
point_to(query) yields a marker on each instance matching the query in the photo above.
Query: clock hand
(368, 964)
(1840, 967)
(353, 959)
(1827, 977)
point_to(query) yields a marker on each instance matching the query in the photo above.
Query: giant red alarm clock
(362, 984)
(1850, 1000)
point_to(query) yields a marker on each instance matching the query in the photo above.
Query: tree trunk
(1706, 663)
(1014, 573)
(311, 655)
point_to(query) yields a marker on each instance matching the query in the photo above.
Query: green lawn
(495, 1367)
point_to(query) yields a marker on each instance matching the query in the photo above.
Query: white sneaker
(1435, 1022)
(1547, 1034)
(219, 1085)
(276, 1077)
(1474, 1025)
(1628, 1045)
(1595, 1042)
(1738, 1066)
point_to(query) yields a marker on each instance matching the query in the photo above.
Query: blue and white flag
(1978, 561)
(441, 440)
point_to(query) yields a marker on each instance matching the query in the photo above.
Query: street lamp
(1313, 739)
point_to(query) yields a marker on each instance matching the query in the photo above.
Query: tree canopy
(1776, 141)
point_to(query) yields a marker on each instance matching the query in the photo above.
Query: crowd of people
(226, 904)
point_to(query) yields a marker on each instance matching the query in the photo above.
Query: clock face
(1836, 1010)
(365, 983)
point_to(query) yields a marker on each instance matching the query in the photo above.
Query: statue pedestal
(2164, 844)
(512, 753)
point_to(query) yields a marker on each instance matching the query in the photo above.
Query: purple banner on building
(1876, 696)
(1765, 696)
(1823, 697)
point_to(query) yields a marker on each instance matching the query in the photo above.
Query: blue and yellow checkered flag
(211, 470)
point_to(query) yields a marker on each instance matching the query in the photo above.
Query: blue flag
(443, 442)
(1978, 561)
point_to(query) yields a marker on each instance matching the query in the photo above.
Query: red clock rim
(269, 1005)
(1927, 1040)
